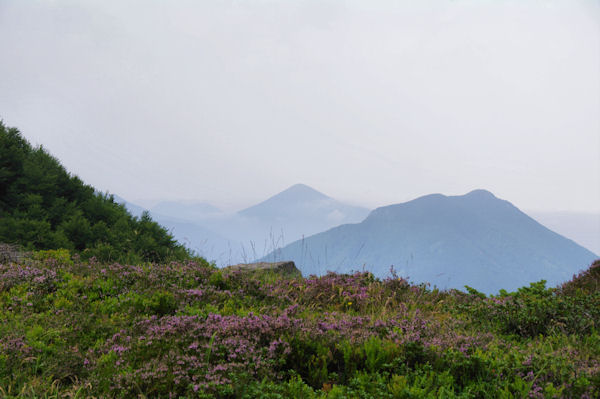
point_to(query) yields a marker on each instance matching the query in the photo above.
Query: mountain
(253, 232)
(583, 228)
(197, 237)
(204, 241)
(450, 241)
(134, 209)
(300, 211)
(188, 212)
(295, 197)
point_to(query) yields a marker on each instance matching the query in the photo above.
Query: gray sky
(374, 102)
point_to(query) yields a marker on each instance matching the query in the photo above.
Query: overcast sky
(373, 102)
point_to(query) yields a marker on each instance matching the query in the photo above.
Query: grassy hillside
(104, 304)
(42, 206)
(75, 329)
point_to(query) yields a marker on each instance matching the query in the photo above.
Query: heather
(74, 328)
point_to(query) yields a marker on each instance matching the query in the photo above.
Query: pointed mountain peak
(284, 201)
(302, 191)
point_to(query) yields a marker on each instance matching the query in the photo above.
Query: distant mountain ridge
(475, 239)
(186, 212)
(132, 208)
(255, 231)
(197, 237)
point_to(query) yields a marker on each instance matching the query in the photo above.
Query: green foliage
(474, 292)
(216, 279)
(43, 207)
(586, 282)
(161, 303)
(60, 256)
(536, 310)
(293, 388)
(75, 328)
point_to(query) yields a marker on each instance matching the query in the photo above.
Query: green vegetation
(107, 305)
(44, 207)
(186, 329)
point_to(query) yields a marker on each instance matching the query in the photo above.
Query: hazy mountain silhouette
(188, 212)
(134, 209)
(255, 231)
(301, 211)
(297, 196)
(202, 240)
(450, 241)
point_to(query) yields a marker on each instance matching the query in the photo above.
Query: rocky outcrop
(286, 268)
(11, 253)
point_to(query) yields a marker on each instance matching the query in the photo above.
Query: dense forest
(42, 206)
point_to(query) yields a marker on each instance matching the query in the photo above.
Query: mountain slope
(583, 228)
(42, 206)
(475, 239)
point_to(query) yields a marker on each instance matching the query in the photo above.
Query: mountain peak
(297, 193)
(303, 203)
(480, 193)
(431, 203)
(475, 239)
(302, 190)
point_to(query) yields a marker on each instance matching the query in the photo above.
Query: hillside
(474, 239)
(75, 329)
(42, 206)
(105, 304)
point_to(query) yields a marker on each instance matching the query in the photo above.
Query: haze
(371, 102)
